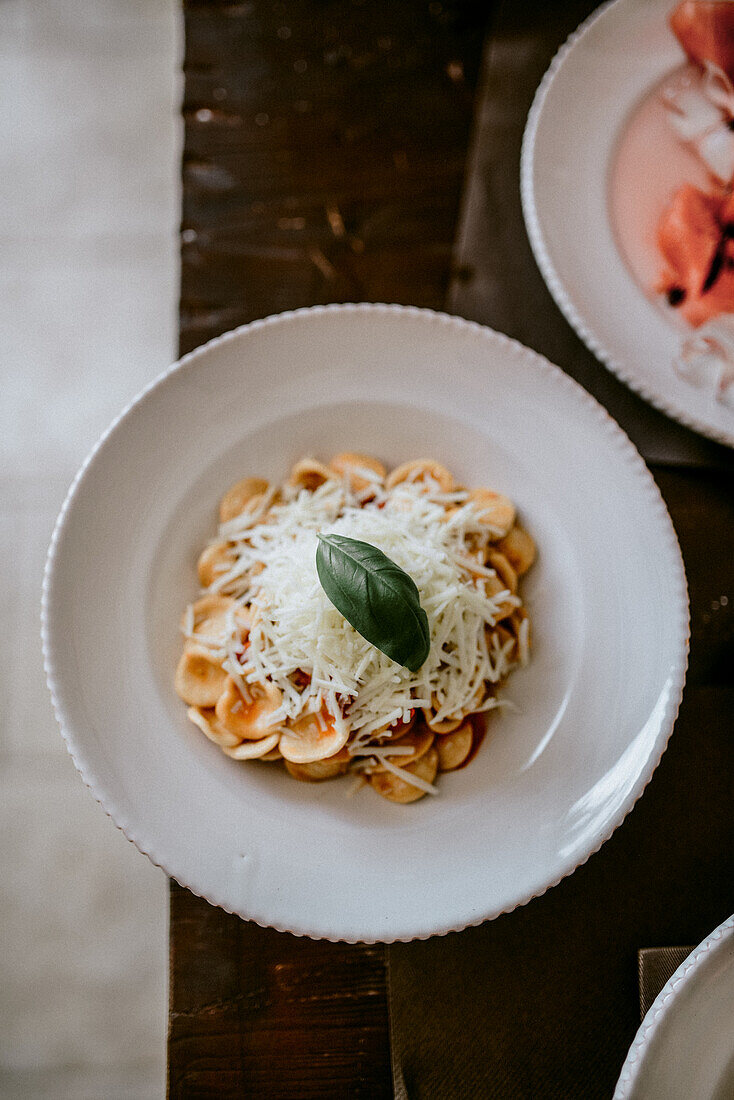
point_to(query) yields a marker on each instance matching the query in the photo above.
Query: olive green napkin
(655, 965)
(461, 1066)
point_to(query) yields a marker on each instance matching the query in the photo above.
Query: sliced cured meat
(696, 238)
(705, 30)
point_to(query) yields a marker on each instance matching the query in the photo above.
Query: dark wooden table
(327, 150)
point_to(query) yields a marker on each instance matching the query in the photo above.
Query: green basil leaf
(376, 596)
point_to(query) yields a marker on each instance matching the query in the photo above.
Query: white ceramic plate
(607, 598)
(598, 169)
(684, 1049)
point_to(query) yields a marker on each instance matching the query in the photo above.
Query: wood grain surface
(326, 154)
(325, 147)
(261, 1013)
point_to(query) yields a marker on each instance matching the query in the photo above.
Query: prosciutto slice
(705, 30)
(696, 238)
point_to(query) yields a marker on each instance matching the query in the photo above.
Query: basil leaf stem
(376, 596)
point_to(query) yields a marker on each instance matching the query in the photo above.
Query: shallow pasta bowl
(607, 596)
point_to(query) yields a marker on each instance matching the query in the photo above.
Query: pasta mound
(272, 671)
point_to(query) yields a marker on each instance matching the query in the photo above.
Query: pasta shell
(319, 770)
(213, 632)
(199, 679)
(350, 465)
(208, 607)
(254, 503)
(519, 549)
(418, 740)
(269, 757)
(206, 720)
(248, 719)
(396, 789)
(503, 569)
(446, 725)
(309, 474)
(215, 627)
(494, 510)
(254, 750)
(454, 748)
(421, 470)
(235, 500)
(493, 586)
(305, 741)
(216, 560)
(504, 635)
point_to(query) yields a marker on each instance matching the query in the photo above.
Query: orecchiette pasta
(236, 499)
(494, 510)
(361, 471)
(403, 788)
(310, 738)
(247, 716)
(200, 679)
(215, 560)
(454, 748)
(518, 548)
(309, 474)
(272, 672)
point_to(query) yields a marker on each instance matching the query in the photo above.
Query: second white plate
(580, 118)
